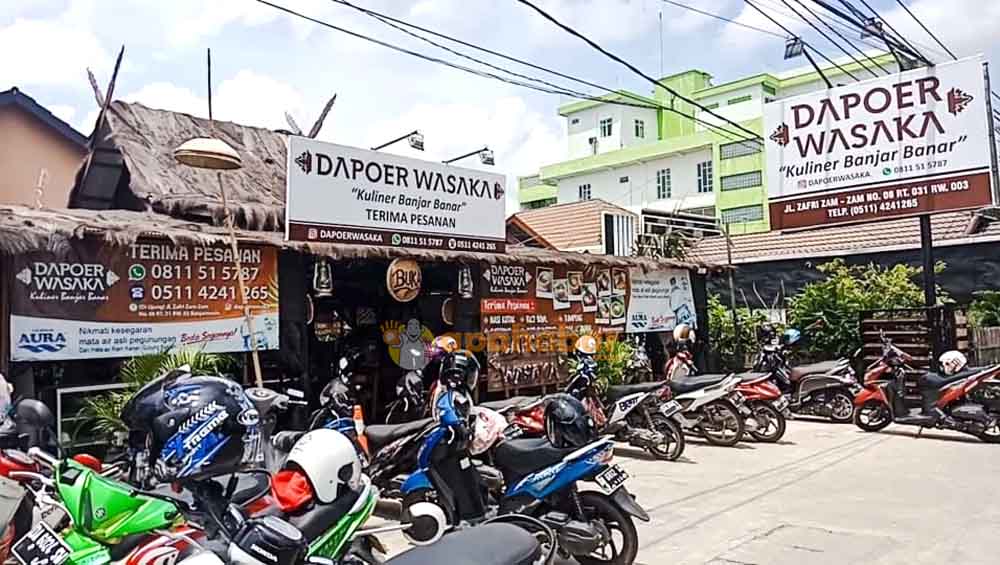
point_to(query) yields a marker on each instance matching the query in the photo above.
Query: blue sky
(267, 63)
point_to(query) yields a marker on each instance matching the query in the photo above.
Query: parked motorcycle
(824, 389)
(967, 401)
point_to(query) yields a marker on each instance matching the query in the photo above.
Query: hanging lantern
(322, 278)
(465, 289)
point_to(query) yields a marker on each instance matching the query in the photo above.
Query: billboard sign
(659, 300)
(339, 194)
(104, 302)
(912, 143)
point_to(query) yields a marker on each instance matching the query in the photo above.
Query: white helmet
(329, 461)
(952, 362)
(683, 332)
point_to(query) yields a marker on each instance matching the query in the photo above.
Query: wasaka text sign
(349, 195)
(911, 143)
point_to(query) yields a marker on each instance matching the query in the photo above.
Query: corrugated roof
(572, 225)
(950, 228)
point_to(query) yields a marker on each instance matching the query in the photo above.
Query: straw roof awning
(24, 230)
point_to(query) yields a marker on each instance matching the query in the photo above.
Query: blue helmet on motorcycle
(195, 427)
(791, 336)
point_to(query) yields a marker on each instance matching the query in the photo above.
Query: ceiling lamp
(208, 153)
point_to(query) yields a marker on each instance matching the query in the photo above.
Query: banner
(912, 143)
(99, 301)
(349, 195)
(659, 300)
(531, 316)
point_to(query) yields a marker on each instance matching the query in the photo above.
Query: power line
(846, 40)
(634, 69)
(849, 6)
(723, 18)
(929, 32)
(827, 37)
(642, 103)
(860, 22)
(820, 53)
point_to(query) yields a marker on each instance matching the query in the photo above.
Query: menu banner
(98, 301)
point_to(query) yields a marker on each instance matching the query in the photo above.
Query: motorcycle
(635, 414)
(824, 389)
(411, 401)
(968, 401)
(764, 415)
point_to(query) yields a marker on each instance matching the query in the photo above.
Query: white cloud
(967, 27)
(52, 52)
(64, 112)
(740, 40)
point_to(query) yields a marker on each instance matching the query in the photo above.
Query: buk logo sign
(42, 341)
(305, 162)
(403, 279)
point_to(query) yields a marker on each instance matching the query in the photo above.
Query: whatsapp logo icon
(136, 272)
(397, 239)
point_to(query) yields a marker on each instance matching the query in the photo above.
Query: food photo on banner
(532, 314)
(98, 301)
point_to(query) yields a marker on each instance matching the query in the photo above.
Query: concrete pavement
(826, 494)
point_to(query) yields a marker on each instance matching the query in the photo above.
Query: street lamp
(485, 156)
(414, 138)
(795, 47)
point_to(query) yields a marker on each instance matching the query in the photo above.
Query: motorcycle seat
(490, 544)
(519, 458)
(381, 435)
(936, 381)
(512, 402)
(752, 377)
(693, 383)
(821, 368)
(615, 392)
(318, 518)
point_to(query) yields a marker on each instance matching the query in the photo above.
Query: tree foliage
(722, 334)
(985, 309)
(837, 300)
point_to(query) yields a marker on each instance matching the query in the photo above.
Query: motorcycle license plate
(41, 546)
(670, 408)
(610, 479)
(781, 403)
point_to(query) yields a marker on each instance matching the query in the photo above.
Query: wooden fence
(985, 346)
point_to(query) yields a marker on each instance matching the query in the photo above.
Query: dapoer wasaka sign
(342, 194)
(911, 143)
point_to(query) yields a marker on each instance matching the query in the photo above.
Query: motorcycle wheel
(774, 428)
(620, 551)
(842, 405)
(673, 435)
(991, 435)
(725, 424)
(872, 416)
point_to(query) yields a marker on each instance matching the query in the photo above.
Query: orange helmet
(586, 344)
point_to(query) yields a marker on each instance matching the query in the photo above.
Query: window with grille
(663, 184)
(606, 127)
(623, 180)
(742, 180)
(584, 191)
(768, 89)
(743, 215)
(739, 149)
(640, 129)
(705, 177)
(739, 99)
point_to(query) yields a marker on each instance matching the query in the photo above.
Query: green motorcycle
(103, 520)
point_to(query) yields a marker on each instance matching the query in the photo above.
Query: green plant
(722, 333)
(985, 309)
(102, 413)
(613, 360)
(836, 301)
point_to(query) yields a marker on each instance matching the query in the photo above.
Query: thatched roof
(146, 138)
(24, 229)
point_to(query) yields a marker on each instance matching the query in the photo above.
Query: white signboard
(659, 300)
(349, 195)
(911, 143)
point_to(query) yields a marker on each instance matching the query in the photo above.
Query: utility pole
(737, 347)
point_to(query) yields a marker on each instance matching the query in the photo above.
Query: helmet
(684, 333)
(329, 461)
(567, 422)
(488, 427)
(791, 336)
(445, 343)
(460, 369)
(766, 333)
(952, 362)
(586, 344)
(194, 427)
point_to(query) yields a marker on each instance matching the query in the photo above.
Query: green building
(661, 164)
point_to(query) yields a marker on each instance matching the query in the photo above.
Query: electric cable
(827, 37)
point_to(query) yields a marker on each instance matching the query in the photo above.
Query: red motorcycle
(968, 401)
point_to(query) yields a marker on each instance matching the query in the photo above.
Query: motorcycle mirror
(427, 524)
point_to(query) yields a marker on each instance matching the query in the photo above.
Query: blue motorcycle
(592, 526)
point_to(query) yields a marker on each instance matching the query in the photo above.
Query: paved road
(827, 494)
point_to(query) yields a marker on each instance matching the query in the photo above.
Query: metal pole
(930, 290)
(397, 140)
(737, 347)
(993, 139)
(459, 158)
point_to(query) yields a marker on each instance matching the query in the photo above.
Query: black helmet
(194, 427)
(767, 334)
(460, 369)
(567, 422)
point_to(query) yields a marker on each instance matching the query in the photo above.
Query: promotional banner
(911, 143)
(659, 300)
(531, 316)
(350, 195)
(98, 301)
